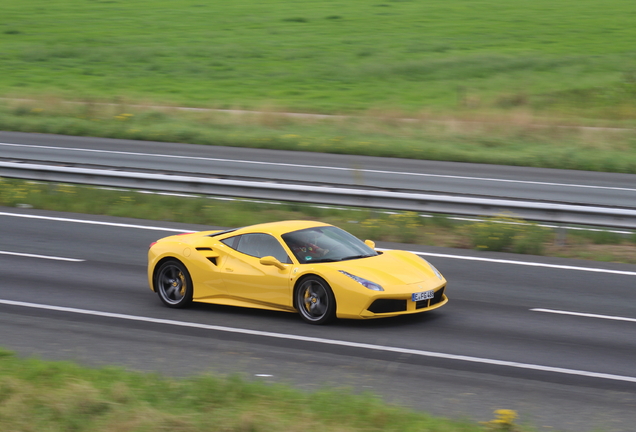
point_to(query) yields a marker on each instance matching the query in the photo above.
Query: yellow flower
(503, 421)
(67, 189)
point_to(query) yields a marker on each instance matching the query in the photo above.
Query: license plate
(424, 295)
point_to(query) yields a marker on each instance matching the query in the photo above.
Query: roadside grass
(62, 396)
(499, 234)
(517, 138)
(576, 58)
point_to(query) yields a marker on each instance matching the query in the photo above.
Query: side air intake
(209, 253)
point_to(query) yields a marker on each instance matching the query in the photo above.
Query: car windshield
(326, 244)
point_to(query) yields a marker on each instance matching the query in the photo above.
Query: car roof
(280, 228)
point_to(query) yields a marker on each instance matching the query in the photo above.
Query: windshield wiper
(356, 257)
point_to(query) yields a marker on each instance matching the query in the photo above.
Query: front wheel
(174, 284)
(315, 301)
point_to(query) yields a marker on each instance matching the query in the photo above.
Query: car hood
(389, 268)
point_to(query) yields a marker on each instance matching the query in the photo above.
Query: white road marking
(526, 263)
(460, 257)
(89, 222)
(288, 165)
(540, 224)
(332, 342)
(587, 315)
(27, 255)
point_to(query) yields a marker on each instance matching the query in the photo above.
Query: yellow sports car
(316, 269)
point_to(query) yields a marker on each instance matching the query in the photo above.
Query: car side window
(231, 241)
(258, 245)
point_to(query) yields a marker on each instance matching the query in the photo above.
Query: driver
(304, 248)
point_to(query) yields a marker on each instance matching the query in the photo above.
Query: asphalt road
(448, 178)
(74, 287)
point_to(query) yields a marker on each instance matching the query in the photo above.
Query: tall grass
(515, 139)
(508, 234)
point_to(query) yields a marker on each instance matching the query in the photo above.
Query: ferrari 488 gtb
(312, 268)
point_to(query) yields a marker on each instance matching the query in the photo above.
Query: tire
(174, 284)
(315, 301)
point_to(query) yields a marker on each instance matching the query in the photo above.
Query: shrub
(406, 226)
(530, 239)
(491, 234)
(503, 233)
(600, 237)
(441, 221)
(372, 228)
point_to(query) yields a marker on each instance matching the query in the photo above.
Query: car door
(246, 278)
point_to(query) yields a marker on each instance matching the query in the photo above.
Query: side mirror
(370, 243)
(271, 261)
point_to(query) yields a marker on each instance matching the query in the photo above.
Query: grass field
(63, 397)
(573, 58)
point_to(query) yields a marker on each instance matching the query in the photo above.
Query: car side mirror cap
(271, 261)
(370, 243)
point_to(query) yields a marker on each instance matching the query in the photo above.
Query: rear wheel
(315, 301)
(174, 284)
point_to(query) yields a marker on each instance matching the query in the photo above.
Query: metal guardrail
(430, 203)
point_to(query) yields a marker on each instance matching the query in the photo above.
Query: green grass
(62, 396)
(574, 57)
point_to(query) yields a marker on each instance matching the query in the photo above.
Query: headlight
(365, 283)
(437, 273)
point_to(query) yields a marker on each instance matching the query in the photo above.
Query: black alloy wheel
(315, 301)
(174, 284)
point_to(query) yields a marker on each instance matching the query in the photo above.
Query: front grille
(437, 297)
(388, 306)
